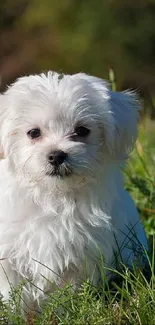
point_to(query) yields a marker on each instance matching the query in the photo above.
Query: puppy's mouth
(60, 172)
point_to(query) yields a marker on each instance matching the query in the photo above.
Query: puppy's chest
(62, 230)
(57, 238)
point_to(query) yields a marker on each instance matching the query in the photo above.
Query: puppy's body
(55, 220)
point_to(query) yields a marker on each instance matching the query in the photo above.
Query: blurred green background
(81, 35)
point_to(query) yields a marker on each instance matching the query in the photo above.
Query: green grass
(132, 299)
(140, 177)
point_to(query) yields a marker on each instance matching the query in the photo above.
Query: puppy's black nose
(56, 158)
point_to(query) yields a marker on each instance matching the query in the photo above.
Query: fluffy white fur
(53, 227)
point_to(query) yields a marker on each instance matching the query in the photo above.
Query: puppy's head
(64, 129)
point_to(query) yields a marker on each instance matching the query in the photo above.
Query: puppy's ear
(125, 108)
(119, 112)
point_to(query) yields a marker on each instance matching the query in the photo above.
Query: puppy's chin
(66, 183)
(60, 172)
(66, 178)
(61, 185)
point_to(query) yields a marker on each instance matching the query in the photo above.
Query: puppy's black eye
(34, 133)
(82, 131)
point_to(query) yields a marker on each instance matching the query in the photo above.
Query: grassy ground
(132, 301)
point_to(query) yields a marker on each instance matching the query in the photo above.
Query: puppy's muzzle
(56, 158)
(60, 167)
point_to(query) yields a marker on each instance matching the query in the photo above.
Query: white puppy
(64, 139)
